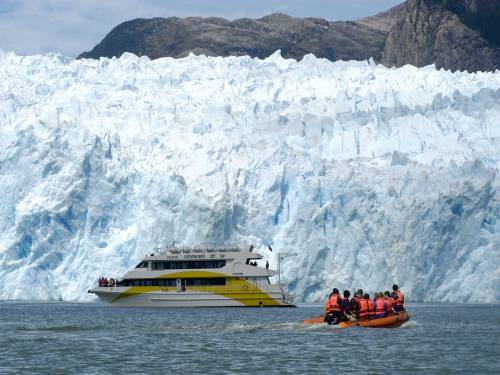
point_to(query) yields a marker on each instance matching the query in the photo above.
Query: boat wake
(409, 324)
(289, 326)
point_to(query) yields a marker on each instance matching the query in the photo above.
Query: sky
(70, 27)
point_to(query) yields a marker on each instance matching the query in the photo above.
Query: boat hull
(123, 297)
(391, 321)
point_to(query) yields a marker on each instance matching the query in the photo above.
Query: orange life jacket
(332, 303)
(371, 305)
(363, 308)
(401, 298)
(380, 306)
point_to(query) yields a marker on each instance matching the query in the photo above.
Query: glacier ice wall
(371, 175)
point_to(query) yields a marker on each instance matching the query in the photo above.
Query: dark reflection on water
(48, 338)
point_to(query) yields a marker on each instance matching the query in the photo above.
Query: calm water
(61, 338)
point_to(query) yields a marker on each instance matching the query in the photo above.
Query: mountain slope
(456, 35)
(295, 37)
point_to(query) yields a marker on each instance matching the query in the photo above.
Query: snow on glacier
(371, 175)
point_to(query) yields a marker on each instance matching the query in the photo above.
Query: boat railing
(196, 250)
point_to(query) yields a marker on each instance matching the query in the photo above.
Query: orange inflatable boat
(391, 321)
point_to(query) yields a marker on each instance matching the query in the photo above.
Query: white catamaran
(196, 277)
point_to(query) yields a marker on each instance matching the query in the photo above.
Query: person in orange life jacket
(399, 297)
(371, 306)
(362, 308)
(380, 305)
(390, 302)
(354, 303)
(333, 310)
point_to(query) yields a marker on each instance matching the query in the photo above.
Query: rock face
(456, 35)
(295, 37)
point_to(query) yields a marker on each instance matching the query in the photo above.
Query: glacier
(369, 175)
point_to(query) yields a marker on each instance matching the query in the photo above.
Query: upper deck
(230, 261)
(190, 253)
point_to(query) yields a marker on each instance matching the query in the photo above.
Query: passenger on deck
(380, 305)
(371, 306)
(267, 265)
(333, 309)
(399, 297)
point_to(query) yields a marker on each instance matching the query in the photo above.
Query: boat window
(171, 282)
(205, 282)
(178, 265)
(142, 265)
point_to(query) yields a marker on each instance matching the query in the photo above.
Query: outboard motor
(332, 319)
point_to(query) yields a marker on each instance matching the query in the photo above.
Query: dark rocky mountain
(453, 34)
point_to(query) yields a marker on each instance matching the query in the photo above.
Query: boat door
(178, 285)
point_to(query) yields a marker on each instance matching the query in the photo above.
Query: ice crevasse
(370, 175)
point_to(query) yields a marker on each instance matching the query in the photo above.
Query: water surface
(64, 338)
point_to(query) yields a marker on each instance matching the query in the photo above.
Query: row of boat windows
(158, 265)
(172, 282)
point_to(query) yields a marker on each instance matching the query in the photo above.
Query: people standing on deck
(399, 297)
(333, 309)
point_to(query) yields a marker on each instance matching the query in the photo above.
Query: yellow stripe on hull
(237, 289)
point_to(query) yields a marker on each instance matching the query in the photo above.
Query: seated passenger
(345, 305)
(390, 302)
(371, 306)
(333, 310)
(399, 297)
(362, 307)
(380, 305)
